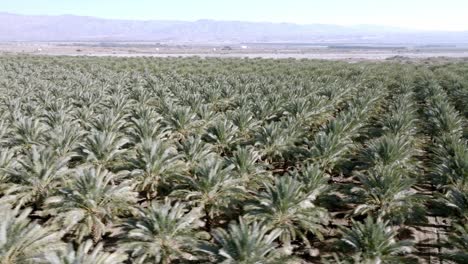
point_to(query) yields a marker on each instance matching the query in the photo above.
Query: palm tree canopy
(163, 232)
(22, 240)
(247, 243)
(376, 241)
(92, 201)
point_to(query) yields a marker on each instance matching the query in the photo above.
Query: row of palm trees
(454, 82)
(191, 160)
(449, 168)
(384, 193)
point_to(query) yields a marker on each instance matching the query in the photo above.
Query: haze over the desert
(415, 14)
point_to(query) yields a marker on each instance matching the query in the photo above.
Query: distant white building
(243, 47)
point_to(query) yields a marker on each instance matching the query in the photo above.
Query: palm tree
(223, 134)
(327, 149)
(390, 151)
(7, 163)
(286, 207)
(246, 243)
(64, 139)
(28, 131)
(4, 132)
(85, 114)
(247, 167)
(182, 121)
(457, 198)
(269, 107)
(91, 203)
(109, 121)
(194, 151)
(443, 117)
(388, 195)
(244, 121)
(450, 160)
(376, 242)
(205, 113)
(163, 233)
(85, 253)
(212, 187)
(22, 240)
(57, 113)
(103, 148)
(154, 163)
(330, 145)
(146, 128)
(308, 111)
(401, 117)
(273, 140)
(39, 173)
(314, 180)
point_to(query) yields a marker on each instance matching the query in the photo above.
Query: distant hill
(79, 28)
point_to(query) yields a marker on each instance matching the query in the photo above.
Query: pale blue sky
(418, 14)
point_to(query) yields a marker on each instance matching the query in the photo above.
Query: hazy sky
(418, 14)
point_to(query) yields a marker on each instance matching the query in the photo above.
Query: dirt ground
(232, 50)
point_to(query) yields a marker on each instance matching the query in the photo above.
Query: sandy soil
(278, 52)
(324, 56)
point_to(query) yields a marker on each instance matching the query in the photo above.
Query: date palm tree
(65, 139)
(57, 113)
(109, 121)
(387, 194)
(154, 163)
(330, 145)
(244, 243)
(23, 240)
(286, 207)
(146, 127)
(5, 129)
(450, 158)
(308, 111)
(207, 115)
(401, 116)
(456, 198)
(390, 151)
(194, 151)
(314, 180)
(223, 134)
(7, 163)
(212, 187)
(182, 121)
(91, 203)
(376, 242)
(247, 167)
(244, 121)
(103, 148)
(28, 131)
(39, 173)
(327, 149)
(443, 117)
(86, 253)
(163, 233)
(273, 141)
